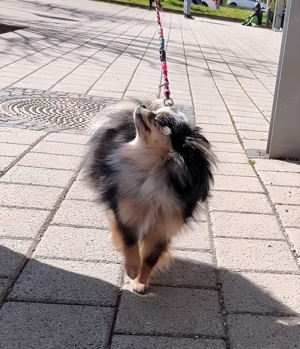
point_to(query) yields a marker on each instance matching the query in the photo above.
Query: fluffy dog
(151, 169)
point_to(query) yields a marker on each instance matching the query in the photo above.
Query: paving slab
(12, 256)
(3, 286)
(235, 158)
(50, 326)
(65, 138)
(284, 195)
(188, 269)
(11, 149)
(91, 215)
(255, 255)
(81, 191)
(59, 148)
(193, 236)
(240, 202)
(261, 293)
(51, 161)
(277, 165)
(238, 183)
(289, 215)
(87, 245)
(170, 311)
(249, 332)
(243, 225)
(147, 342)
(74, 282)
(294, 235)
(29, 196)
(280, 178)
(5, 162)
(18, 136)
(235, 170)
(38, 176)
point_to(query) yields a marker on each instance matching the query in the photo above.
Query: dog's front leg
(151, 251)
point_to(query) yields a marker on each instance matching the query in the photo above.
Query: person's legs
(187, 7)
(150, 4)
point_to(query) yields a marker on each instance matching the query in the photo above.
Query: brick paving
(235, 280)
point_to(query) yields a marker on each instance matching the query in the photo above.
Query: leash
(168, 101)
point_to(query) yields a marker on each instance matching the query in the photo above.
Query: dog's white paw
(132, 270)
(138, 287)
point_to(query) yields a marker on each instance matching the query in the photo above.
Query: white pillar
(278, 14)
(284, 133)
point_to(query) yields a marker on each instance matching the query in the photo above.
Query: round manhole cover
(62, 112)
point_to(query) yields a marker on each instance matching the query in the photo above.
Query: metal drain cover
(65, 113)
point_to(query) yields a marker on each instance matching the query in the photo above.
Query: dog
(151, 169)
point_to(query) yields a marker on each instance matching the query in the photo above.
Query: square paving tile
(12, 256)
(170, 311)
(245, 225)
(261, 293)
(249, 332)
(254, 255)
(22, 223)
(74, 282)
(86, 244)
(239, 202)
(53, 326)
(90, 214)
(39, 176)
(29, 196)
(147, 342)
(62, 162)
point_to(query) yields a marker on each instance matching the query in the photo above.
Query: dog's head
(166, 128)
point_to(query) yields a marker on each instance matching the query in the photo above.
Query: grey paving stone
(90, 214)
(236, 158)
(289, 215)
(193, 236)
(170, 311)
(59, 148)
(40, 176)
(284, 195)
(243, 225)
(74, 282)
(221, 137)
(261, 293)
(224, 129)
(188, 269)
(12, 256)
(235, 170)
(66, 138)
(10, 149)
(239, 202)
(5, 162)
(51, 161)
(3, 286)
(29, 196)
(53, 326)
(13, 135)
(86, 244)
(257, 332)
(147, 342)
(22, 223)
(254, 255)
(238, 183)
(81, 191)
(280, 178)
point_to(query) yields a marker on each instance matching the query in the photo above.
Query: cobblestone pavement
(235, 282)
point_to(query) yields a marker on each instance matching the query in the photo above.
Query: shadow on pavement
(60, 304)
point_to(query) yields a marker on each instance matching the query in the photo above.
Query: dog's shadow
(59, 304)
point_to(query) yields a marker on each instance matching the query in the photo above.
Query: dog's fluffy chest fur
(147, 201)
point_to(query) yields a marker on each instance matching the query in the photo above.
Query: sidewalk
(235, 281)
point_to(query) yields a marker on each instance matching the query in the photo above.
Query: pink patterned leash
(168, 101)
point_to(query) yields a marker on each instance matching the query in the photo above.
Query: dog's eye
(142, 105)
